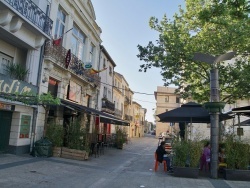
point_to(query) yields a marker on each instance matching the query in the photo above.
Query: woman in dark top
(160, 155)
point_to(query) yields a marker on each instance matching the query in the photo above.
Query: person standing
(205, 158)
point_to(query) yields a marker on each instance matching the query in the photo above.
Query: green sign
(8, 85)
(88, 66)
(25, 126)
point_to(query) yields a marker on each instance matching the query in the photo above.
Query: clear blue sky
(125, 24)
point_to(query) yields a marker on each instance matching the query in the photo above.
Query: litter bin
(42, 148)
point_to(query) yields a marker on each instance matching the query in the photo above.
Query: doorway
(5, 126)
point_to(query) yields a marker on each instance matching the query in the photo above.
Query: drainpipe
(99, 65)
(35, 109)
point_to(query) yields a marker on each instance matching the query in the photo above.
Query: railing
(58, 53)
(128, 117)
(118, 113)
(108, 106)
(33, 13)
(127, 101)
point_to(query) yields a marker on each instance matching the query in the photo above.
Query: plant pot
(74, 154)
(186, 172)
(238, 175)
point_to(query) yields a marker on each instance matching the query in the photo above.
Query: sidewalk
(130, 167)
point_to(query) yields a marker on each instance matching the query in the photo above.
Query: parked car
(152, 132)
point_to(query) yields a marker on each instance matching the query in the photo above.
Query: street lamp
(214, 106)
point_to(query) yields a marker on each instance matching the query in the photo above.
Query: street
(131, 167)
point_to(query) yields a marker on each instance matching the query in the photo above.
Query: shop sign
(25, 126)
(8, 85)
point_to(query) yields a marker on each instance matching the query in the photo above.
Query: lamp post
(214, 106)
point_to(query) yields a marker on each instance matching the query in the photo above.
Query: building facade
(24, 27)
(166, 100)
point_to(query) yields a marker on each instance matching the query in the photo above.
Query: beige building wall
(166, 100)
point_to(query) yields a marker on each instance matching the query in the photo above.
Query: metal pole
(214, 116)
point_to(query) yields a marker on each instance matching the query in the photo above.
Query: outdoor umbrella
(190, 112)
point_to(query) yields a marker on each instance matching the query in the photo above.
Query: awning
(244, 123)
(104, 117)
(245, 110)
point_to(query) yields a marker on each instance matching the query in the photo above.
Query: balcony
(128, 117)
(57, 55)
(33, 13)
(127, 101)
(118, 113)
(108, 106)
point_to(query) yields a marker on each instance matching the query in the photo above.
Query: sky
(125, 24)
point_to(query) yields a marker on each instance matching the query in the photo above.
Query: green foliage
(30, 98)
(16, 71)
(187, 153)
(77, 137)
(55, 134)
(237, 153)
(120, 138)
(212, 27)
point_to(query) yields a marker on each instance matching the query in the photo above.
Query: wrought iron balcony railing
(118, 113)
(128, 117)
(33, 13)
(108, 106)
(58, 53)
(127, 100)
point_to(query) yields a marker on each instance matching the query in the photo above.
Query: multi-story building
(166, 100)
(122, 99)
(143, 122)
(136, 126)
(69, 61)
(24, 26)
(105, 98)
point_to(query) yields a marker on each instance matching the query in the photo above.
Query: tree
(207, 26)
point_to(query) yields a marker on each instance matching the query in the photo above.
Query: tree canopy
(212, 27)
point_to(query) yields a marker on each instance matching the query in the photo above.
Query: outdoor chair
(157, 164)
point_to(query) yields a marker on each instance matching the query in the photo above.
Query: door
(5, 124)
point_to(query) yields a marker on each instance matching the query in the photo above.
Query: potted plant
(16, 71)
(54, 133)
(186, 158)
(119, 139)
(237, 159)
(77, 142)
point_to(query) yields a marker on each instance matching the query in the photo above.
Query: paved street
(131, 167)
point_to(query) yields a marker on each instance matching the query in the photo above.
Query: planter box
(57, 151)
(238, 175)
(74, 154)
(186, 172)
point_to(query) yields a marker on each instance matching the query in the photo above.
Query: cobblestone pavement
(131, 167)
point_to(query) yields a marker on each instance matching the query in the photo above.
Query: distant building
(166, 100)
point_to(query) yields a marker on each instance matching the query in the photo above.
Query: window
(166, 99)
(110, 70)
(53, 87)
(4, 61)
(104, 63)
(91, 53)
(105, 92)
(74, 92)
(177, 100)
(77, 43)
(123, 89)
(60, 24)
(109, 94)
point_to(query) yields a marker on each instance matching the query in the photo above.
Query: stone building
(24, 27)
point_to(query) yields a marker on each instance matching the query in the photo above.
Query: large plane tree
(213, 27)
